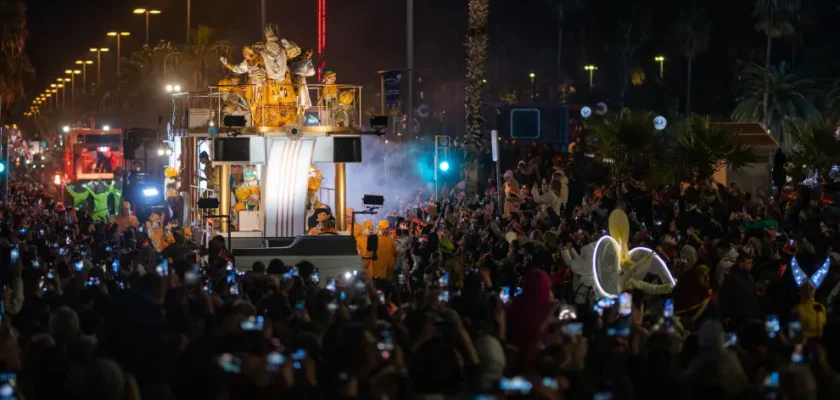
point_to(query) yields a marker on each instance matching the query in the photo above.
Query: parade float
(253, 141)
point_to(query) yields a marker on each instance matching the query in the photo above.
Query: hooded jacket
(725, 264)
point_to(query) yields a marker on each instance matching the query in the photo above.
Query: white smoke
(395, 171)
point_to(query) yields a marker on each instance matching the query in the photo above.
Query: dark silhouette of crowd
(482, 303)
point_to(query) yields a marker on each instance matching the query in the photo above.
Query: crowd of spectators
(479, 302)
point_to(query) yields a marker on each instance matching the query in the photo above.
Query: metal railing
(202, 110)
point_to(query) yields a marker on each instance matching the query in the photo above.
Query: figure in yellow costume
(125, 219)
(329, 96)
(158, 236)
(362, 239)
(386, 254)
(611, 268)
(300, 67)
(348, 220)
(270, 94)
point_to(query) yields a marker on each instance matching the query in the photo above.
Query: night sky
(368, 35)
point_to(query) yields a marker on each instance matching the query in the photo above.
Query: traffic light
(442, 147)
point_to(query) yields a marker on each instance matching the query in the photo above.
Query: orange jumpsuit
(386, 255)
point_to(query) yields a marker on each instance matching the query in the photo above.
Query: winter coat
(738, 297)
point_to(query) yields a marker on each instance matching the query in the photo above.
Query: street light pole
(661, 61)
(147, 12)
(591, 69)
(118, 35)
(409, 44)
(98, 52)
(262, 16)
(84, 64)
(189, 11)
(73, 74)
(533, 77)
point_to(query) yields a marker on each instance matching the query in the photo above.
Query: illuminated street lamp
(66, 128)
(591, 69)
(661, 61)
(98, 51)
(72, 73)
(84, 64)
(118, 36)
(62, 84)
(148, 12)
(533, 78)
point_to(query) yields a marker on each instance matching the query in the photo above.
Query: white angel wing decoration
(583, 265)
(656, 266)
(607, 269)
(816, 279)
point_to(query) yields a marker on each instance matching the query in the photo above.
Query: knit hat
(446, 246)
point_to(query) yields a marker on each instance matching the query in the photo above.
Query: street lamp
(63, 93)
(66, 128)
(533, 77)
(72, 73)
(147, 12)
(84, 64)
(98, 51)
(591, 69)
(661, 61)
(118, 35)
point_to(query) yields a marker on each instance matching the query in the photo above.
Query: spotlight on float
(444, 166)
(168, 151)
(66, 128)
(57, 179)
(149, 192)
(2, 167)
(169, 88)
(161, 152)
(106, 128)
(104, 148)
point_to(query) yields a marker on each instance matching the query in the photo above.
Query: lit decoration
(611, 269)
(601, 108)
(659, 123)
(585, 112)
(817, 279)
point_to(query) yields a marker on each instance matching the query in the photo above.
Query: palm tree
(788, 91)
(831, 101)
(14, 63)
(197, 56)
(475, 140)
(817, 146)
(692, 31)
(630, 35)
(775, 19)
(625, 140)
(561, 9)
(701, 147)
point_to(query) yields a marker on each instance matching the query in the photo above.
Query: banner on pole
(392, 88)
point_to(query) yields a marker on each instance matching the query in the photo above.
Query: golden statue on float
(276, 93)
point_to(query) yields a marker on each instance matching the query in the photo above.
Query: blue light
(2, 167)
(444, 166)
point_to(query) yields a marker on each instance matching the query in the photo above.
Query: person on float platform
(385, 256)
(348, 220)
(322, 215)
